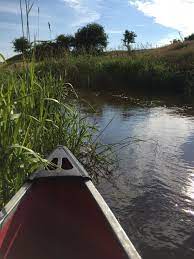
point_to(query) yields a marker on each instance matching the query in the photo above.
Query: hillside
(180, 54)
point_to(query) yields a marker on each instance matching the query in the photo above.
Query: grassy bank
(167, 69)
(106, 72)
(36, 116)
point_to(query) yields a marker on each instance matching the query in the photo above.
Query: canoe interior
(58, 218)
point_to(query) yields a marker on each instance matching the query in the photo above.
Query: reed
(36, 115)
(102, 72)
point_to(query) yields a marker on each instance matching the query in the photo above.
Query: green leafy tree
(21, 45)
(91, 38)
(190, 37)
(175, 41)
(45, 49)
(65, 41)
(129, 38)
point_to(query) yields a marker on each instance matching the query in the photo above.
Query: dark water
(152, 193)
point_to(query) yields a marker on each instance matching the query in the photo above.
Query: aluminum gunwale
(80, 172)
(120, 234)
(61, 152)
(12, 204)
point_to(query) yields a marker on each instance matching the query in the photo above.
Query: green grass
(37, 114)
(180, 55)
(163, 69)
(107, 72)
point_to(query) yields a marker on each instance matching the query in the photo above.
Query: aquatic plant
(102, 72)
(36, 115)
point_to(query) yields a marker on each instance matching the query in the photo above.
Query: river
(152, 192)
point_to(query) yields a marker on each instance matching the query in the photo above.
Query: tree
(129, 38)
(175, 41)
(190, 37)
(45, 49)
(65, 41)
(21, 45)
(91, 38)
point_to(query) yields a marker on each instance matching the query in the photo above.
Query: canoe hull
(61, 217)
(58, 219)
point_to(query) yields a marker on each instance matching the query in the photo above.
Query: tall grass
(36, 116)
(158, 71)
(106, 72)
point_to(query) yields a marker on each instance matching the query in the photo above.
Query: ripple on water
(153, 192)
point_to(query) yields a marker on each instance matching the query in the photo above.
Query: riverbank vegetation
(38, 110)
(82, 60)
(111, 73)
(36, 115)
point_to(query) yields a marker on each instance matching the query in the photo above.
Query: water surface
(152, 192)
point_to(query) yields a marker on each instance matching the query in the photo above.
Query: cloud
(140, 25)
(9, 26)
(76, 4)
(84, 13)
(16, 27)
(10, 8)
(175, 14)
(114, 31)
(14, 9)
(166, 40)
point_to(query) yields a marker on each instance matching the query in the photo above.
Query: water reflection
(152, 193)
(190, 186)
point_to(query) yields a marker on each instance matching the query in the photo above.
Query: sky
(156, 22)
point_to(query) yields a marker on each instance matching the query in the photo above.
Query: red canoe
(59, 214)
